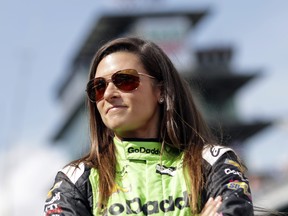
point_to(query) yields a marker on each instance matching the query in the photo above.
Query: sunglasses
(125, 80)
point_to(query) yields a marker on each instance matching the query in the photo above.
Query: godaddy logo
(135, 206)
(143, 150)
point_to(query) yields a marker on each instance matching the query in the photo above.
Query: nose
(111, 91)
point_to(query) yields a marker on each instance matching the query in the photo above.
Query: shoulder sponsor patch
(235, 172)
(56, 185)
(55, 198)
(53, 210)
(235, 185)
(74, 173)
(235, 164)
(212, 154)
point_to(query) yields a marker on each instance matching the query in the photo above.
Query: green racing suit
(148, 183)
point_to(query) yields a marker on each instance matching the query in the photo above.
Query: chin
(115, 127)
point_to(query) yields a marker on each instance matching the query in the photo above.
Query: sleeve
(225, 177)
(66, 197)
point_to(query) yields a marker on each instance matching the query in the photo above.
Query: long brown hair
(181, 126)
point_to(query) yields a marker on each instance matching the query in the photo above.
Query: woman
(151, 152)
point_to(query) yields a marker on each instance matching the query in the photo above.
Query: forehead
(118, 61)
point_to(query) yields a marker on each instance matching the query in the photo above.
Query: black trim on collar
(141, 139)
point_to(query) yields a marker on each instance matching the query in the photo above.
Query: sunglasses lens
(126, 80)
(99, 88)
(90, 89)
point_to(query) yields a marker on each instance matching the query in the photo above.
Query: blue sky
(38, 40)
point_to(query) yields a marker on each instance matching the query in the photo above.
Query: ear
(160, 95)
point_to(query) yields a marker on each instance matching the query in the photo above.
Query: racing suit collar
(138, 149)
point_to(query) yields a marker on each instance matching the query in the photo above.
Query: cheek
(100, 108)
(146, 106)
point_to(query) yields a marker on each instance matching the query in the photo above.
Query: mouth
(115, 108)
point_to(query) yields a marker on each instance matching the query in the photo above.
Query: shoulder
(71, 192)
(211, 154)
(77, 174)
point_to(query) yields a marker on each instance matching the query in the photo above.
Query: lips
(115, 107)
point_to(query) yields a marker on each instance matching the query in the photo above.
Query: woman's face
(133, 114)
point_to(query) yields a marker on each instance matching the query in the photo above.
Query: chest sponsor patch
(136, 206)
(144, 150)
(163, 170)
